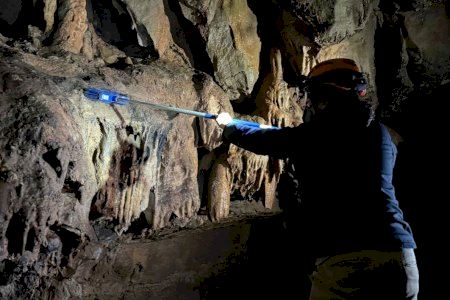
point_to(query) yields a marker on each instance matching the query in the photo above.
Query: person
(343, 160)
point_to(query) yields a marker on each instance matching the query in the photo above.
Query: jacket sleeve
(388, 157)
(279, 142)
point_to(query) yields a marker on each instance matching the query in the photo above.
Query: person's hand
(223, 119)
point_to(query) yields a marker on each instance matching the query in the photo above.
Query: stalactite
(279, 105)
(49, 14)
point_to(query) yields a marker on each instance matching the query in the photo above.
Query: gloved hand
(223, 119)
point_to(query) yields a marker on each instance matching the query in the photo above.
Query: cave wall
(71, 168)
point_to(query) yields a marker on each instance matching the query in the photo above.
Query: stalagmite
(70, 33)
(219, 188)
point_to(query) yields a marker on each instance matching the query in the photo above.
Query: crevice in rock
(122, 63)
(138, 226)
(16, 16)
(204, 159)
(113, 23)
(129, 130)
(18, 189)
(266, 15)
(94, 156)
(69, 240)
(232, 36)
(14, 233)
(31, 239)
(203, 162)
(98, 152)
(172, 217)
(191, 38)
(51, 157)
(388, 66)
(6, 271)
(94, 212)
(72, 187)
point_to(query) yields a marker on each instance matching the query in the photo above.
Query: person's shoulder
(389, 133)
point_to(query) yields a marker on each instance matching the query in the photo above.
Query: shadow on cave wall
(190, 40)
(422, 159)
(414, 102)
(16, 15)
(113, 23)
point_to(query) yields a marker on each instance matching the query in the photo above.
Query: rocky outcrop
(118, 150)
(67, 161)
(232, 43)
(154, 24)
(70, 33)
(331, 22)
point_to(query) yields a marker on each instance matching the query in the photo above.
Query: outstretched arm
(277, 142)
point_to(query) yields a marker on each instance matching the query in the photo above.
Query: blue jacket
(345, 173)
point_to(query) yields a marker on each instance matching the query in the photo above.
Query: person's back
(344, 205)
(344, 167)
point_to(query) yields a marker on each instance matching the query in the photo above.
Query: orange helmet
(343, 73)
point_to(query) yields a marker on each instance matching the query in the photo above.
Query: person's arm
(388, 156)
(279, 142)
